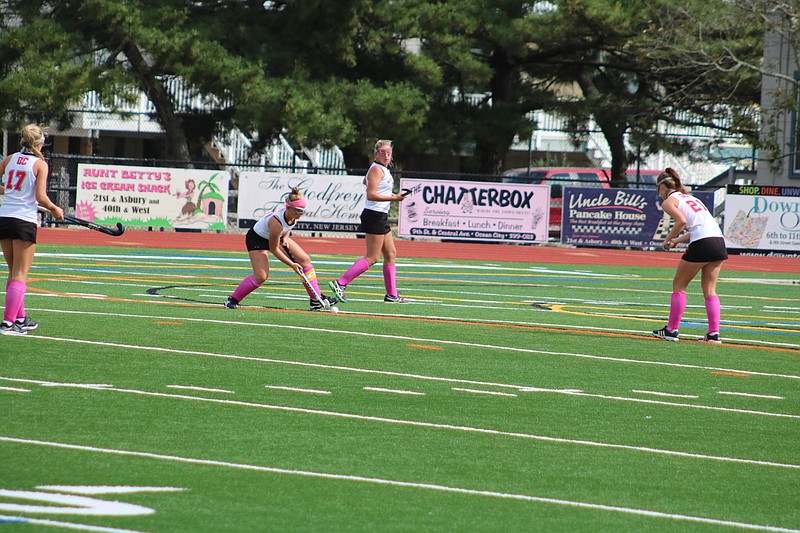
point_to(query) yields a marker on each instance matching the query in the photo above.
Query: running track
(434, 250)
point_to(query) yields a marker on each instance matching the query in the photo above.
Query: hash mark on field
(669, 394)
(77, 385)
(395, 391)
(14, 389)
(541, 389)
(296, 389)
(489, 392)
(767, 396)
(424, 347)
(203, 389)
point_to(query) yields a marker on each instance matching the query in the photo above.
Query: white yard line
(385, 336)
(64, 525)
(767, 396)
(14, 389)
(202, 389)
(489, 392)
(667, 394)
(451, 380)
(411, 485)
(395, 391)
(423, 317)
(297, 389)
(432, 425)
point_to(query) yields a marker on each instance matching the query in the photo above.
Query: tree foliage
(622, 63)
(352, 71)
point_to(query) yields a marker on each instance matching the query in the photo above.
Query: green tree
(618, 62)
(348, 78)
(44, 68)
(297, 68)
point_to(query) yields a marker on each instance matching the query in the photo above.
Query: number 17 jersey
(20, 184)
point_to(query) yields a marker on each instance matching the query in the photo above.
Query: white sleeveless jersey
(385, 187)
(262, 226)
(699, 221)
(20, 184)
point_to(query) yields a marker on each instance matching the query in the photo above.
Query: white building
(779, 159)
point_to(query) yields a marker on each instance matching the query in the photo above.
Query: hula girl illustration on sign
(207, 210)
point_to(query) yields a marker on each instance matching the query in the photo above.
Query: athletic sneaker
(231, 303)
(11, 329)
(317, 305)
(338, 290)
(27, 323)
(395, 299)
(666, 334)
(711, 338)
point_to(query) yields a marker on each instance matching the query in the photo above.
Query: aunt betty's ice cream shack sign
(153, 197)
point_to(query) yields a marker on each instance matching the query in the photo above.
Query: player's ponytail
(33, 140)
(670, 179)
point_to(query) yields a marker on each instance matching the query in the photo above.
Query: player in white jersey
(375, 225)
(24, 180)
(271, 234)
(705, 254)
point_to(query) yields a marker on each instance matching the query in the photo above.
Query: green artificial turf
(504, 397)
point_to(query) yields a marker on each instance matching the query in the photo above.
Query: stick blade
(120, 230)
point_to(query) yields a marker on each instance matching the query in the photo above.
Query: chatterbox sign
(468, 210)
(153, 197)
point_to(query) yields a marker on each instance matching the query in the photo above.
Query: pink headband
(300, 203)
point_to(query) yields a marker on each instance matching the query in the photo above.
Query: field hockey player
(272, 234)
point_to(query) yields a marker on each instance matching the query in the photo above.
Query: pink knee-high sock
(15, 300)
(712, 312)
(358, 268)
(390, 280)
(21, 313)
(677, 306)
(247, 286)
(311, 274)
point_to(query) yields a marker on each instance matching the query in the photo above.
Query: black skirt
(706, 250)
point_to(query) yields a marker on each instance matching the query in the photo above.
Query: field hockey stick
(325, 303)
(91, 225)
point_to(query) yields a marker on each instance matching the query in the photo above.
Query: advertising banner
(469, 210)
(153, 197)
(334, 202)
(617, 217)
(763, 220)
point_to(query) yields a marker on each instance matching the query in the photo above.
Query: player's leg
(8, 255)
(374, 246)
(259, 259)
(19, 255)
(677, 305)
(299, 256)
(708, 280)
(389, 252)
(685, 273)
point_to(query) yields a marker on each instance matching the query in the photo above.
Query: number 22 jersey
(699, 222)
